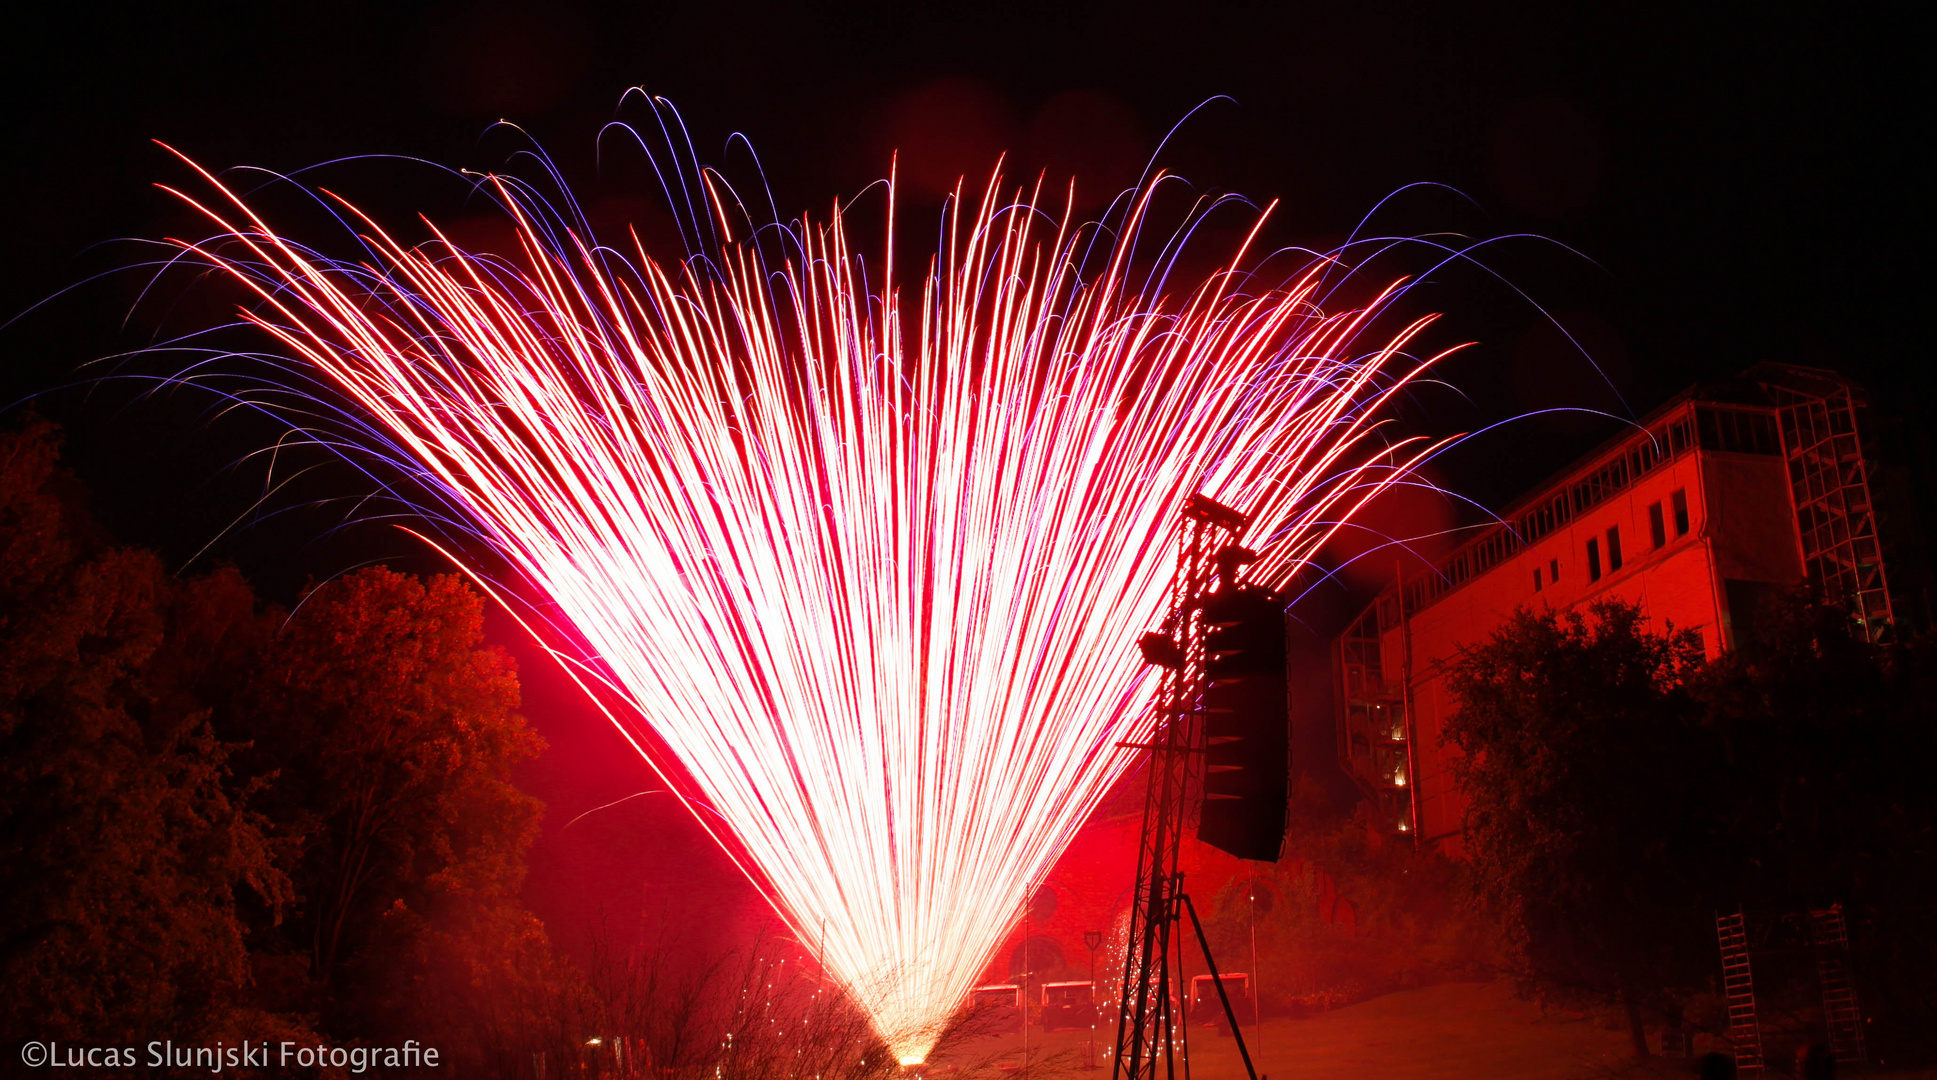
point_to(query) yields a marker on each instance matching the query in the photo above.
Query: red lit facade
(1720, 500)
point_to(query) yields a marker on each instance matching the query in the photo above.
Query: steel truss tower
(1148, 1019)
(1834, 512)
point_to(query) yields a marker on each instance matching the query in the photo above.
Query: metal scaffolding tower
(1830, 482)
(1150, 1023)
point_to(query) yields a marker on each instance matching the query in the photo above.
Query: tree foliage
(1589, 782)
(220, 820)
(1829, 743)
(124, 840)
(1623, 794)
(395, 730)
(399, 731)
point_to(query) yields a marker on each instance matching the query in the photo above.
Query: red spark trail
(878, 594)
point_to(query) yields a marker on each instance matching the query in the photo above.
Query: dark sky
(1732, 187)
(1737, 188)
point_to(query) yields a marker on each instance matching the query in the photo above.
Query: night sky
(1697, 192)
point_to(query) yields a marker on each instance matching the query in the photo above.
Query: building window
(1614, 549)
(1553, 570)
(1593, 560)
(1737, 431)
(1680, 499)
(1657, 528)
(1536, 579)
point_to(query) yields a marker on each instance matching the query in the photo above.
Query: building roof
(1633, 452)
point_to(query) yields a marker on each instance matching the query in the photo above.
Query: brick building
(1711, 507)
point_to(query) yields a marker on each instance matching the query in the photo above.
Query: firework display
(871, 566)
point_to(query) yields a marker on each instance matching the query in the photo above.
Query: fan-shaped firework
(874, 579)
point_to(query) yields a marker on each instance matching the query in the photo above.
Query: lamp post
(1092, 939)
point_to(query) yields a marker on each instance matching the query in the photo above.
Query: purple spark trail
(877, 588)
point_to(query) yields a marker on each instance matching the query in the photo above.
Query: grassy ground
(1456, 1031)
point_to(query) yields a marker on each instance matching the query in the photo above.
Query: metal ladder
(1840, 1013)
(1738, 990)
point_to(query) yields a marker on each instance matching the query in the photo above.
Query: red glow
(879, 594)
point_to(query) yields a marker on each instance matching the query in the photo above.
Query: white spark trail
(879, 596)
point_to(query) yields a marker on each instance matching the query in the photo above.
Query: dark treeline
(1625, 794)
(224, 821)
(220, 820)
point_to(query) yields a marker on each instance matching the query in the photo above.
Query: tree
(124, 837)
(395, 730)
(180, 770)
(1590, 780)
(1830, 743)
